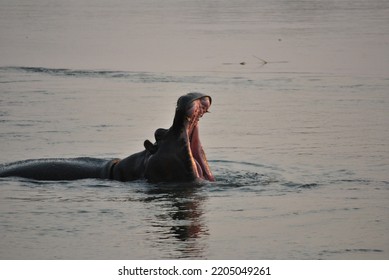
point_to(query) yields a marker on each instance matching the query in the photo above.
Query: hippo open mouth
(178, 154)
(194, 111)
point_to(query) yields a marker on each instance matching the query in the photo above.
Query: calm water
(299, 145)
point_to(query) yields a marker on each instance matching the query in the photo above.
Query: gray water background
(299, 145)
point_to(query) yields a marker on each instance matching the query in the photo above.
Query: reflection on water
(178, 221)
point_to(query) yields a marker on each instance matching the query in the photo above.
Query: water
(298, 145)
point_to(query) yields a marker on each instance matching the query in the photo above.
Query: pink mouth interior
(199, 161)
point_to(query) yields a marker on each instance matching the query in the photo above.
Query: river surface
(297, 136)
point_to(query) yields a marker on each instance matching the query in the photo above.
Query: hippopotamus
(176, 155)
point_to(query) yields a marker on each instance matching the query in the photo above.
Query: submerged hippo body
(177, 155)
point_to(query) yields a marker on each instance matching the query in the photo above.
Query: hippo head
(178, 154)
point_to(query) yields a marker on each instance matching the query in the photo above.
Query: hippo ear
(160, 133)
(150, 147)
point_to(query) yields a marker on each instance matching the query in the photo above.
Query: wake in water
(230, 175)
(129, 76)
